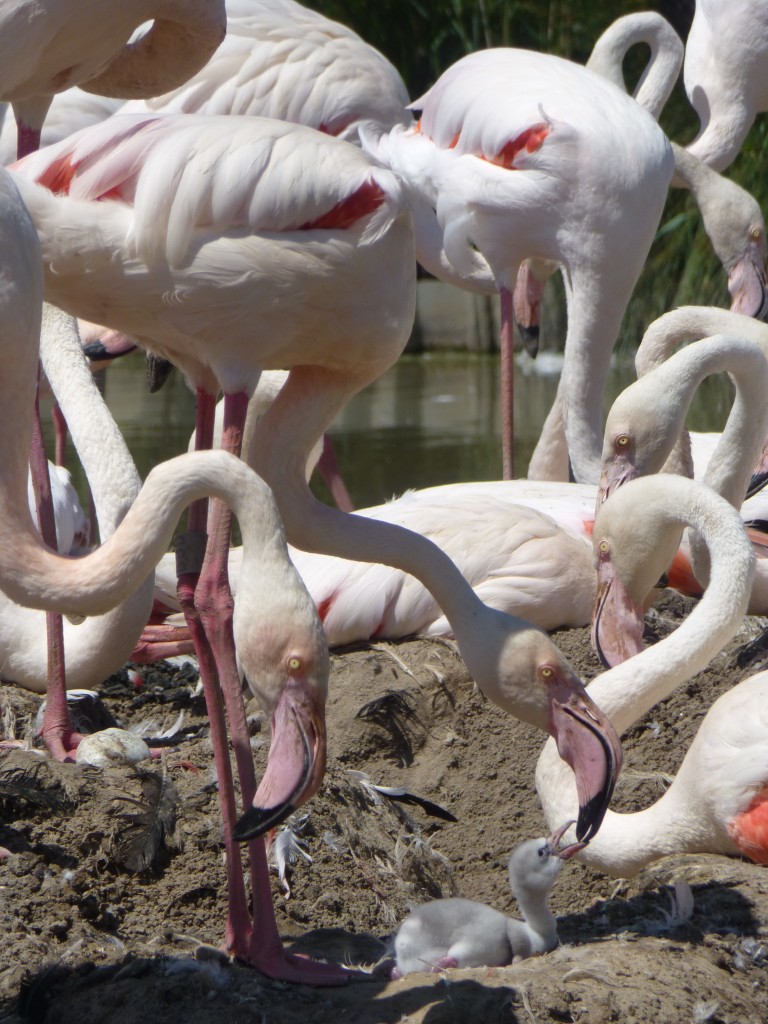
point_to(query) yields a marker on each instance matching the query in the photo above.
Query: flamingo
(288, 212)
(284, 655)
(496, 181)
(282, 60)
(718, 802)
(516, 558)
(462, 933)
(47, 46)
(725, 76)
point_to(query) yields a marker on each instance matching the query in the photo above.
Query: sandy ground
(86, 937)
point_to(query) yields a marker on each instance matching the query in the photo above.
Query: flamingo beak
(617, 621)
(526, 303)
(617, 471)
(556, 838)
(586, 741)
(747, 284)
(760, 474)
(296, 761)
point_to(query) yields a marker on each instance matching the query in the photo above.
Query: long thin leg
(507, 349)
(57, 724)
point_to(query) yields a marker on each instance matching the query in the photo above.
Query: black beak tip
(258, 820)
(591, 816)
(530, 339)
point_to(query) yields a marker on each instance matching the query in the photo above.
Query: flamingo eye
(755, 233)
(603, 547)
(546, 672)
(295, 664)
(622, 441)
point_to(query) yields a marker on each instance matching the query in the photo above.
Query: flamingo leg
(56, 730)
(328, 467)
(507, 350)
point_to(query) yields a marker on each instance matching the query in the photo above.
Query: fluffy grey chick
(462, 933)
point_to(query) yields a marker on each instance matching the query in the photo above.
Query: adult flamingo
(496, 181)
(48, 46)
(287, 664)
(288, 212)
(282, 60)
(718, 802)
(726, 76)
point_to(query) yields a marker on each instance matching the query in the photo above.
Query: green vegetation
(423, 37)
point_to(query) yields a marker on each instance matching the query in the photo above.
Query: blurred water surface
(431, 419)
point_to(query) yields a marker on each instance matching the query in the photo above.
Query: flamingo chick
(462, 933)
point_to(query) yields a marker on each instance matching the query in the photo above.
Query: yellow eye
(603, 547)
(546, 672)
(755, 234)
(622, 440)
(294, 664)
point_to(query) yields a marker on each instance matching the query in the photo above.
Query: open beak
(556, 838)
(586, 741)
(296, 761)
(617, 622)
(747, 284)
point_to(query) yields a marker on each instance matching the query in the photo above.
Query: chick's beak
(296, 761)
(556, 838)
(586, 741)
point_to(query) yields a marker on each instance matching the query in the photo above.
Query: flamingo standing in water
(718, 802)
(521, 154)
(287, 212)
(726, 76)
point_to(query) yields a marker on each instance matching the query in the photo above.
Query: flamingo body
(565, 168)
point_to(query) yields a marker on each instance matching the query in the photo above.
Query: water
(431, 419)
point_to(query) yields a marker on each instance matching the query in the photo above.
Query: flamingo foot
(444, 963)
(62, 745)
(281, 965)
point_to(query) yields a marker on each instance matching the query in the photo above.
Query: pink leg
(443, 963)
(507, 349)
(57, 725)
(329, 470)
(262, 946)
(27, 140)
(61, 429)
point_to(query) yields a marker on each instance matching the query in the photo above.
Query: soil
(112, 895)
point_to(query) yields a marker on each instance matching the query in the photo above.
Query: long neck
(283, 438)
(742, 439)
(112, 475)
(626, 692)
(666, 57)
(183, 37)
(596, 301)
(721, 135)
(691, 323)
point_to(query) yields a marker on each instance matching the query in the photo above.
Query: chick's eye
(294, 664)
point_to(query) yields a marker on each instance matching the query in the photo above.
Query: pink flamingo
(725, 76)
(718, 802)
(513, 157)
(287, 213)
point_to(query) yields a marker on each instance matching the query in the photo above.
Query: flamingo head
(295, 686)
(747, 283)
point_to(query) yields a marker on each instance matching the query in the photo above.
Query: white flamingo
(496, 169)
(312, 218)
(46, 46)
(718, 802)
(725, 75)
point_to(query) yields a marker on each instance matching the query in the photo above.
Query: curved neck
(112, 475)
(721, 137)
(663, 67)
(691, 323)
(179, 43)
(627, 691)
(303, 410)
